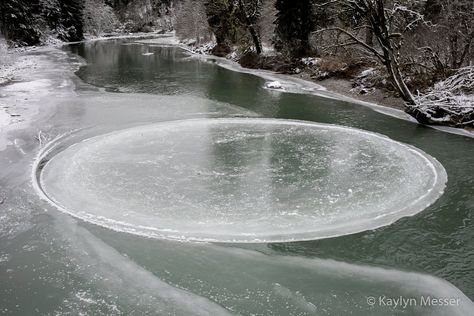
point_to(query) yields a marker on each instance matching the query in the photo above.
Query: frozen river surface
(151, 141)
(247, 180)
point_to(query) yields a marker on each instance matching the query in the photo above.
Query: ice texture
(240, 180)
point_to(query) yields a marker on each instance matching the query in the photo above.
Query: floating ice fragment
(274, 85)
(239, 180)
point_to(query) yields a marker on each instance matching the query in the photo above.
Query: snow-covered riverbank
(23, 73)
(35, 75)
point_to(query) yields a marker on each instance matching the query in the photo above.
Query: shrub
(99, 17)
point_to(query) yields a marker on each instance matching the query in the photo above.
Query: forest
(419, 51)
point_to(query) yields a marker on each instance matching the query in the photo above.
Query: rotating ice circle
(239, 180)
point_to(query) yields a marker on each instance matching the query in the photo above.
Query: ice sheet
(240, 180)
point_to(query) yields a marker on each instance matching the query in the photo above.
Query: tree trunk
(256, 39)
(393, 68)
(397, 79)
(369, 36)
(378, 21)
(253, 31)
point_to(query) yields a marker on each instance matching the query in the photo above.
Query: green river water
(52, 263)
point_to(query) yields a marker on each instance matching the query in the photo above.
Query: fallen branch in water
(41, 138)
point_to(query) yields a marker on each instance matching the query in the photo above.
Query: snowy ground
(34, 76)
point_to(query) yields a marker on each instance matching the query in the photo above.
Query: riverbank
(12, 62)
(344, 87)
(356, 82)
(36, 74)
(360, 88)
(14, 69)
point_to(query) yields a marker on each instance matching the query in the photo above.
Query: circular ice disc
(241, 180)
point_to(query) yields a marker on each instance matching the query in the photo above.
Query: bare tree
(191, 21)
(388, 21)
(99, 17)
(453, 21)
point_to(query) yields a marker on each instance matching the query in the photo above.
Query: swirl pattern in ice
(240, 180)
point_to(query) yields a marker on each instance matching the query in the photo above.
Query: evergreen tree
(18, 21)
(294, 24)
(224, 23)
(51, 13)
(71, 22)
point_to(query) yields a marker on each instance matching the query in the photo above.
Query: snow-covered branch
(449, 102)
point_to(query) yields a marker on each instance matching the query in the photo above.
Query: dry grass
(338, 67)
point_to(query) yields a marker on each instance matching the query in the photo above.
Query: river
(54, 263)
